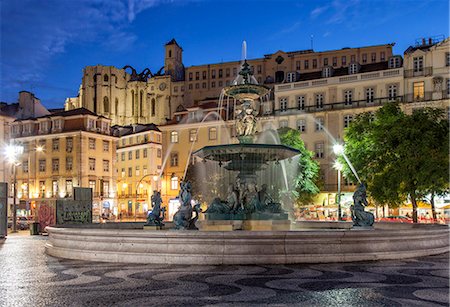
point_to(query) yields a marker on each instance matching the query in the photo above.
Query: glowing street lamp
(338, 149)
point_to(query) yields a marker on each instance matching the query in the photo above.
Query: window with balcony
(69, 187)
(212, 133)
(91, 143)
(319, 123)
(92, 164)
(283, 104)
(319, 150)
(106, 165)
(55, 165)
(301, 125)
(418, 64)
(174, 137)
(392, 92)
(25, 166)
(174, 159)
(353, 68)
(69, 163)
(69, 144)
(55, 144)
(327, 72)
(370, 95)
(92, 185)
(419, 90)
(347, 120)
(319, 101)
(301, 102)
(42, 165)
(348, 96)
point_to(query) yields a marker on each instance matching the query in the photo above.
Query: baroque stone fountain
(253, 207)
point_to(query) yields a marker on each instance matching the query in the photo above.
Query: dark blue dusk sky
(46, 44)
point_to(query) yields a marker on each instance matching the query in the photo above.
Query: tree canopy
(307, 178)
(400, 156)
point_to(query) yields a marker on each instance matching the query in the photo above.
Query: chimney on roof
(424, 41)
(430, 41)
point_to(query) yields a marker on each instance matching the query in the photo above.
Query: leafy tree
(307, 180)
(398, 155)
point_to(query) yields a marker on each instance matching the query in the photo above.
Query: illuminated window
(193, 135)
(174, 183)
(419, 90)
(42, 165)
(174, 137)
(55, 165)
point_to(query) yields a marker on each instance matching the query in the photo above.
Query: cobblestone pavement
(28, 277)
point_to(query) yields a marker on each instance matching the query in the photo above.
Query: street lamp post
(12, 152)
(338, 167)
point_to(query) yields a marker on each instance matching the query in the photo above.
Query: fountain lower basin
(247, 247)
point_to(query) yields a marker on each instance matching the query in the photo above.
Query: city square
(311, 172)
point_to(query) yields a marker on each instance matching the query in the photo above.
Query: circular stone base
(247, 247)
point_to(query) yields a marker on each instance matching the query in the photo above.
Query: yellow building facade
(65, 150)
(139, 168)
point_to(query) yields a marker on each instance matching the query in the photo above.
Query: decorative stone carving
(359, 216)
(437, 83)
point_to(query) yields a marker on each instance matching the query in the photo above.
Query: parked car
(396, 218)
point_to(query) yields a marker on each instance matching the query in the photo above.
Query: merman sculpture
(156, 216)
(183, 219)
(360, 217)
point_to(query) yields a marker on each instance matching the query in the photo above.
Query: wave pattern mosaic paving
(41, 280)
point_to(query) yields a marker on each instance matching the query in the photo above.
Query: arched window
(153, 107)
(116, 109)
(105, 78)
(132, 102)
(105, 104)
(141, 105)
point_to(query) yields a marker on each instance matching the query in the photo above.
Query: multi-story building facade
(64, 150)
(139, 168)
(129, 98)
